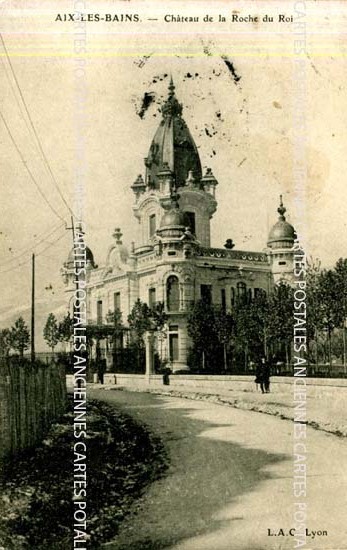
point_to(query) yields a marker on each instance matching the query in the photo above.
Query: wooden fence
(31, 398)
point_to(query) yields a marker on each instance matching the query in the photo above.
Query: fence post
(31, 398)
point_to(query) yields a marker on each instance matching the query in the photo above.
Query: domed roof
(70, 259)
(172, 146)
(282, 232)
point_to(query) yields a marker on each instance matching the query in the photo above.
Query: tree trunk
(308, 351)
(287, 355)
(203, 360)
(329, 350)
(316, 347)
(225, 357)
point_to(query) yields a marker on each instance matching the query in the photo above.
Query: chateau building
(172, 260)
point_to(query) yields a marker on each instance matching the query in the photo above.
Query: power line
(37, 236)
(29, 171)
(15, 96)
(37, 254)
(26, 249)
(38, 141)
(29, 249)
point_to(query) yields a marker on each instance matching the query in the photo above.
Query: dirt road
(230, 483)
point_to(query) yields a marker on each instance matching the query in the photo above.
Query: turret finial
(171, 107)
(171, 87)
(281, 209)
(117, 234)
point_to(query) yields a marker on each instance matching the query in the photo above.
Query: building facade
(172, 260)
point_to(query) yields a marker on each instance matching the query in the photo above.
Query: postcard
(173, 351)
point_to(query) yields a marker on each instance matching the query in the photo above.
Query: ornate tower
(281, 242)
(173, 165)
(69, 267)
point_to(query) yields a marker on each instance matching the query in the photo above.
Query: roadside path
(230, 479)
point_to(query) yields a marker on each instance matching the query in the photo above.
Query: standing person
(260, 375)
(101, 370)
(166, 376)
(266, 376)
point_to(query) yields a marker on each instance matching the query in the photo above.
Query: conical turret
(172, 146)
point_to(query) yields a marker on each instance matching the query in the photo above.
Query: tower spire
(171, 107)
(171, 87)
(173, 150)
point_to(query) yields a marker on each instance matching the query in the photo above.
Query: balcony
(240, 255)
(179, 306)
(175, 306)
(144, 249)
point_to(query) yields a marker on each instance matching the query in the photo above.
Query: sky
(241, 90)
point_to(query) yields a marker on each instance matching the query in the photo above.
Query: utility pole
(33, 308)
(72, 228)
(76, 308)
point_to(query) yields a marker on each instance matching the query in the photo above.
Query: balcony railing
(179, 306)
(232, 254)
(174, 306)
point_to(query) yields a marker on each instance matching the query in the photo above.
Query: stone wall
(31, 398)
(216, 384)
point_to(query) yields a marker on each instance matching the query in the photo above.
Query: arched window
(151, 297)
(223, 299)
(206, 293)
(99, 317)
(241, 292)
(189, 221)
(241, 289)
(172, 293)
(152, 225)
(232, 296)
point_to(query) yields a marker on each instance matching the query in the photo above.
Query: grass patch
(36, 507)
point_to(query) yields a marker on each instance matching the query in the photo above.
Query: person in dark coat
(259, 376)
(166, 377)
(263, 376)
(101, 370)
(267, 377)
